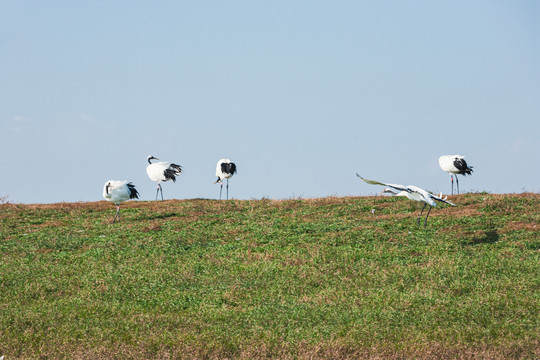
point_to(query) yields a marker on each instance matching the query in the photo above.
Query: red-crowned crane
(162, 171)
(117, 192)
(454, 165)
(413, 193)
(224, 170)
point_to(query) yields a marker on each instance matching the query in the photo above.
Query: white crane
(162, 171)
(224, 170)
(454, 165)
(117, 192)
(413, 193)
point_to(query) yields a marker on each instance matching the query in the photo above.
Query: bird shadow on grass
(159, 216)
(489, 237)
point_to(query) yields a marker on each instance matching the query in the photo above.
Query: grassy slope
(247, 279)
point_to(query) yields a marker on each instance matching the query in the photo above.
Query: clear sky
(301, 95)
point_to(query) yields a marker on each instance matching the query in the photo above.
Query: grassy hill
(300, 278)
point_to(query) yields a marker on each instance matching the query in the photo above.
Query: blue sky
(300, 95)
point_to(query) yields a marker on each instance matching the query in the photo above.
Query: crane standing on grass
(224, 170)
(413, 193)
(117, 192)
(454, 165)
(162, 171)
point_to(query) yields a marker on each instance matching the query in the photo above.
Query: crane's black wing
(228, 168)
(133, 193)
(462, 166)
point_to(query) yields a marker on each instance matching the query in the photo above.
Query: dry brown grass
(306, 351)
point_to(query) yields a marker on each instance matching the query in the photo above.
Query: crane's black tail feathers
(172, 172)
(463, 167)
(133, 193)
(228, 168)
(176, 168)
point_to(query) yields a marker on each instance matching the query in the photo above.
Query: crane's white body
(158, 171)
(412, 192)
(455, 165)
(117, 192)
(155, 171)
(162, 171)
(225, 168)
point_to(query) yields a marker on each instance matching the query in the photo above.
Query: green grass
(314, 278)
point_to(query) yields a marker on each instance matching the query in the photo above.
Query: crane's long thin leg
(161, 190)
(452, 181)
(425, 222)
(220, 190)
(117, 214)
(418, 220)
(457, 184)
(157, 192)
(227, 189)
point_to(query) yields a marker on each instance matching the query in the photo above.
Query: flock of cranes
(119, 191)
